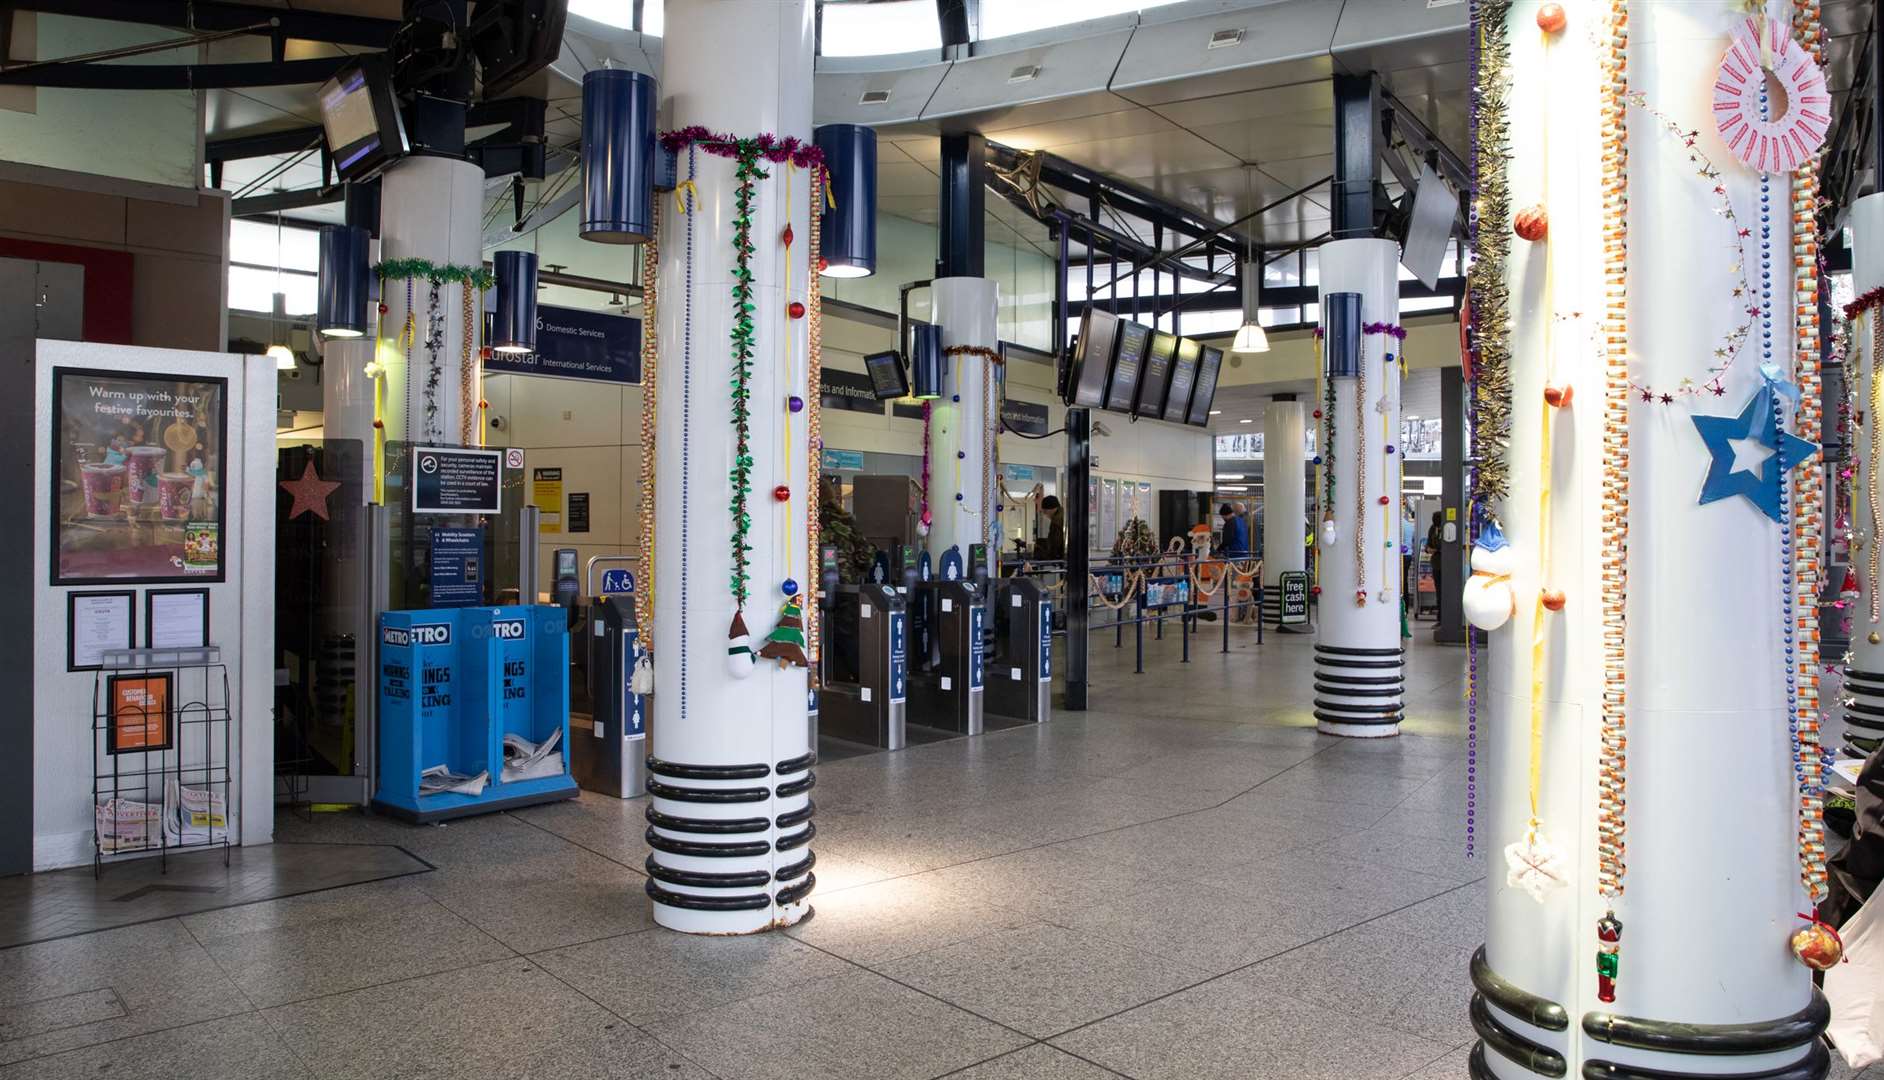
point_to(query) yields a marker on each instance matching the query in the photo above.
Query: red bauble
(1314, 590)
(823, 264)
(795, 309)
(1384, 500)
(1818, 946)
(382, 309)
(786, 236)
(1550, 18)
(1318, 414)
(782, 492)
(1531, 223)
(1558, 397)
(379, 425)
(1553, 599)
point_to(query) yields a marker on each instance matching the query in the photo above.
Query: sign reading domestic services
(575, 344)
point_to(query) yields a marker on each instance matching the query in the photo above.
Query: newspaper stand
(161, 762)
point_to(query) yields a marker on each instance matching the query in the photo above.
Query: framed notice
(447, 480)
(94, 622)
(137, 713)
(137, 477)
(176, 618)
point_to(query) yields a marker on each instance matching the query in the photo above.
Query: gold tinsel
(1485, 282)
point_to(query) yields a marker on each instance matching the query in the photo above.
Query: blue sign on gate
(617, 582)
(975, 615)
(576, 344)
(1046, 641)
(899, 659)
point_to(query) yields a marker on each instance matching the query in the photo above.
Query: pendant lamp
(849, 243)
(344, 282)
(1251, 338)
(925, 361)
(513, 324)
(618, 160)
(1341, 331)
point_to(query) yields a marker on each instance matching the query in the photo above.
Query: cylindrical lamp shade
(849, 242)
(1341, 334)
(344, 282)
(925, 361)
(513, 324)
(617, 156)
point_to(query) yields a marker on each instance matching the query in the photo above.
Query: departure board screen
(1156, 380)
(1130, 357)
(1209, 363)
(1183, 378)
(1092, 359)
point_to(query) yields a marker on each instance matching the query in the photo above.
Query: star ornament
(1746, 451)
(310, 493)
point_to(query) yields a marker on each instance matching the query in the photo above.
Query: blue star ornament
(1747, 451)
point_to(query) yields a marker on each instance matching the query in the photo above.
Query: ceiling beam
(174, 76)
(267, 144)
(216, 15)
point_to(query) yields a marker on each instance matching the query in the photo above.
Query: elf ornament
(1489, 599)
(786, 642)
(739, 661)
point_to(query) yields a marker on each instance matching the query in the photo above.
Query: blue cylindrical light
(617, 156)
(344, 282)
(1341, 329)
(513, 324)
(925, 361)
(849, 243)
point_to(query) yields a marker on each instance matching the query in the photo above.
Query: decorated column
(1646, 520)
(1284, 498)
(961, 424)
(1359, 660)
(735, 317)
(431, 273)
(1864, 671)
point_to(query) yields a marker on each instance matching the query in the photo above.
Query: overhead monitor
(360, 118)
(888, 378)
(1156, 380)
(1092, 359)
(1177, 403)
(1204, 393)
(1122, 390)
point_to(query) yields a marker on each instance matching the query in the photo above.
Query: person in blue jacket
(1235, 542)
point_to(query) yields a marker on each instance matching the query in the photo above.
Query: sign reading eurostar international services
(576, 344)
(1294, 585)
(446, 480)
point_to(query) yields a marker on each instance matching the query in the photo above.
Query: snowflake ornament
(1536, 865)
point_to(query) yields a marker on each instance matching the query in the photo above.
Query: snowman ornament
(1489, 600)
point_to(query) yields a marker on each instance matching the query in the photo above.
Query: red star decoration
(310, 493)
(1667, 399)
(1719, 390)
(1647, 396)
(1746, 232)
(1754, 310)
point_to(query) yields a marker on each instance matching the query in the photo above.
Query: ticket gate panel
(609, 756)
(946, 690)
(868, 639)
(1020, 676)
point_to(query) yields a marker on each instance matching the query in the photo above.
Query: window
(888, 26)
(1000, 18)
(265, 259)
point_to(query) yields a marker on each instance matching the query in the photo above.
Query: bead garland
(1612, 756)
(650, 430)
(814, 436)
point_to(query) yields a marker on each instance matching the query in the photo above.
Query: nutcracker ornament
(1608, 956)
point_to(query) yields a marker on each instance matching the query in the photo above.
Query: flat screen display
(1092, 359)
(361, 120)
(1156, 381)
(1209, 363)
(1183, 377)
(1130, 357)
(887, 377)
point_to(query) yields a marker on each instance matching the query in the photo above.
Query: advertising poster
(138, 713)
(137, 477)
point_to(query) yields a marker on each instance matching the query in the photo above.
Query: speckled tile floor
(1184, 883)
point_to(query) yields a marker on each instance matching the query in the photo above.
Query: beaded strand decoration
(1808, 528)
(467, 374)
(814, 436)
(650, 371)
(1612, 755)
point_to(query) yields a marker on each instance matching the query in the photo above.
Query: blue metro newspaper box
(453, 683)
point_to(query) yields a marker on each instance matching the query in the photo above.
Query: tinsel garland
(434, 371)
(1612, 754)
(1865, 301)
(973, 350)
(650, 371)
(814, 435)
(436, 273)
(764, 145)
(747, 172)
(1490, 333)
(1808, 521)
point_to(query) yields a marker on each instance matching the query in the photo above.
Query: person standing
(1434, 537)
(1233, 546)
(1049, 529)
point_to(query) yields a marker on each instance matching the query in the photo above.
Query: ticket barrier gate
(863, 668)
(946, 684)
(1020, 673)
(608, 755)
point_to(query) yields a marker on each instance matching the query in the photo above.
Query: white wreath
(1782, 144)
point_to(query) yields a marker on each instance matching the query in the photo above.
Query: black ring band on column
(1536, 1057)
(701, 879)
(695, 902)
(1336, 650)
(798, 816)
(791, 894)
(706, 795)
(797, 869)
(721, 826)
(1507, 995)
(797, 764)
(1359, 721)
(1872, 723)
(1672, 1037)
(1860, 673)
(678, 771)
(1360, 691)
(1358, 680)
(1357, 665)
(796, 840)
(699, 850)
(1360, 708)
(1866, 710)
(1816, 1064)
(799, 786)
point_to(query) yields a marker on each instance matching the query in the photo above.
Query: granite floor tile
(1405, 983)
(658, 973)
(1037, 1062)
(875, 923)
(240, 1047)
(1213, 930)
(547, 901)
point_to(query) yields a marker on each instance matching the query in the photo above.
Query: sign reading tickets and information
(447, 480)
(1294, 586)
(137, 476)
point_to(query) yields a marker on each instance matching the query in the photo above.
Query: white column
(430, 208)
(1284, 498)
(1864, 676)
(741, 67)
(347, 403)
(1707, 909)
(960, 420)
(1357, 643)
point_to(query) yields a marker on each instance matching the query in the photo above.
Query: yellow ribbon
(830, 197)
(681, 190)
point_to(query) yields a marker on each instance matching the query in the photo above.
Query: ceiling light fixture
(1250, 338)
(1246, 421)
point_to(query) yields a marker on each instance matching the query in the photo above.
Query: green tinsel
(427, 270)
(748, 173)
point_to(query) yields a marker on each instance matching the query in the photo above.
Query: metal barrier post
(1224, 590)
(1138, 632)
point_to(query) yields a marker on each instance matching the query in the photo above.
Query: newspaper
(197, 816)
(440, 780)
(525, 760)
(127, 825)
